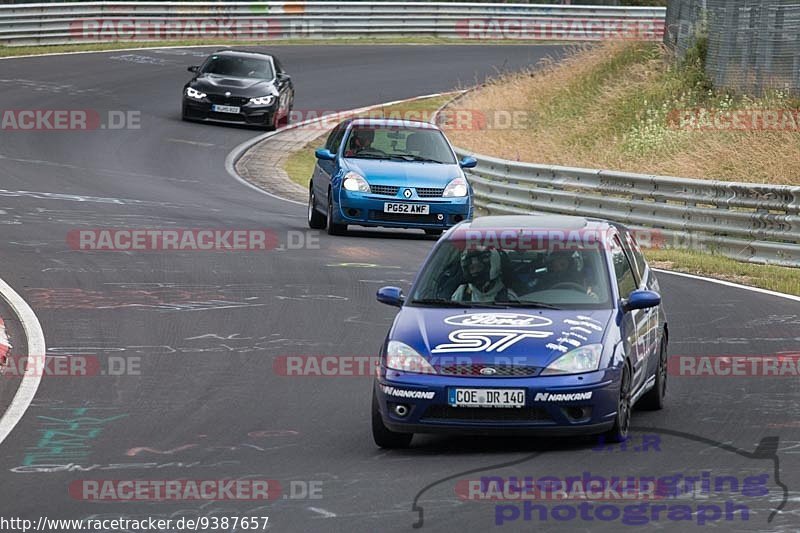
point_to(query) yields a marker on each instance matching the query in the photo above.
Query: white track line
(236, 153)
(731, 284)
(36, 347)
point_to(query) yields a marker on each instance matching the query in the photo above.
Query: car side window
(636, 255)
(337, 139)
(331, 143)
(278, 66)
(622, 269)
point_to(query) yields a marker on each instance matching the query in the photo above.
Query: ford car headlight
(194, 93)
(262, 100)
(355, 182)
(583, 359)
(401, 356)
(456, 188)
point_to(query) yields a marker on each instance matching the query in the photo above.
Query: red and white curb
(35, 344)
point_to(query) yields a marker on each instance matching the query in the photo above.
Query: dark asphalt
(207, 326)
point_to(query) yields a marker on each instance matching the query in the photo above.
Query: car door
(635, 323)
(646, 281)
(324, 170)
(283, 82)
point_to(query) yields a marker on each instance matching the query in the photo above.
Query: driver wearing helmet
(482, 275)
(562, 273)
(360, 139)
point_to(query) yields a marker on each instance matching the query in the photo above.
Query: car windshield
(406, 143)
(542, 273)
(238, 67)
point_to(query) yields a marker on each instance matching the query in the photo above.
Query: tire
(622, 422)
(316, 220)
(434, 232)
(653, 400)
(383, 436)
(332, 227)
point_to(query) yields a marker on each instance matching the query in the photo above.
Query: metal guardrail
(750, 222)
(90, 22)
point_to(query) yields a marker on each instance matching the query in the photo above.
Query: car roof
(536, 222)
(389, 122)
(242, 53)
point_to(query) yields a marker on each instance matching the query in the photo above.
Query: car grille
(403, 217)
(384, 190)
(221, 99)
(429, 192)
(501, 371)
(486, 414)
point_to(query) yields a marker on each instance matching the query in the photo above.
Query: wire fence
(753, 45)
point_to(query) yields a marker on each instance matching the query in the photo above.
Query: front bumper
(249, 114)
(538, 416)
(366, 209)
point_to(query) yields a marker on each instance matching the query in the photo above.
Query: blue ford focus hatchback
(523, 324)
(388, 173)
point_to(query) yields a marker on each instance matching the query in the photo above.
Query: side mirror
(325, 154)
(391, 296)
(641, 300)
(193, 68)
(468, 162)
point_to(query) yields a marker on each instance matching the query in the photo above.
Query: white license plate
(486, 397)
(224, 108)
(408, 209)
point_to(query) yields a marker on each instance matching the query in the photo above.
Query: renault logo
(488, 371)
(407, 193)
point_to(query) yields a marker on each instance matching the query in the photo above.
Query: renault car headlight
(401, 356)
(583, 359)
(355, 182)
(456, 188)
(194, 93)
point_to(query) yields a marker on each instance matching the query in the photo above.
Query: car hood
(525, 337)
(403, 173)
(248, 87)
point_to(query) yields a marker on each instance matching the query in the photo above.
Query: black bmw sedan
(239, 87)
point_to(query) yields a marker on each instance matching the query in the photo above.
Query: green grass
(300, 164)
(774, 278)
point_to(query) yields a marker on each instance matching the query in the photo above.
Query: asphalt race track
(206, 328)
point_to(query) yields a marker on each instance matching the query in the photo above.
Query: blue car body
(581, 403)
(407, 182)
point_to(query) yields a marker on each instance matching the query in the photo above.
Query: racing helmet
(480, 266)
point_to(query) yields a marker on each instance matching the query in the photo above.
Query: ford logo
(498, 320)
(488, 371)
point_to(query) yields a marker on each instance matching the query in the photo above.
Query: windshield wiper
(410, 157)
(528, 303)
(452, 303)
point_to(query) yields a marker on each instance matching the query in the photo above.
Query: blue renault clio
(388, 173)
(523, 324)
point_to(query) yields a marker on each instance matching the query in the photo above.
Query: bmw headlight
(355, 182)
(401, 356)
(457, 188)
(194, 93)
(263, 100)
(583, 359)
